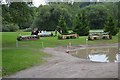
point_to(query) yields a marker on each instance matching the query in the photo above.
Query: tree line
(17, 15)
(78, 16)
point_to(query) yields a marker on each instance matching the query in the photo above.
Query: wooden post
(67, 51)
(69, 44)
(42, 45)
(86, 42)
(16, 44)
(86, 47)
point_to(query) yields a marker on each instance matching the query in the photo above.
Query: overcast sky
(38, 2)
(35, 2)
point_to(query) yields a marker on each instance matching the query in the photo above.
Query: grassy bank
(18, 58)
(28, 53)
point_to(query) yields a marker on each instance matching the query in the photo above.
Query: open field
(28, 53)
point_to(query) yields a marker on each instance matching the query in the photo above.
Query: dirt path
(63, 65)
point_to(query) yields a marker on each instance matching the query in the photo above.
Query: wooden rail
(69, 36)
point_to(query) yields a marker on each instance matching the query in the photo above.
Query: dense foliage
(10, 27)
(96, 15)
(111, 27)
(81, 27)
(18, 13)
(47, 17)
(62, 25)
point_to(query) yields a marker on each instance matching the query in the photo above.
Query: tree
(62, 25)
(81, 27)
(50, 14)
(110, 27)
(96, 15)
(118, 3)
(21, 14)
(5, 14)
(9, 27)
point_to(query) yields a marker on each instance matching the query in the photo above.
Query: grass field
(28, 53)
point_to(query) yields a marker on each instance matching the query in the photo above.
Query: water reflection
(109, 54)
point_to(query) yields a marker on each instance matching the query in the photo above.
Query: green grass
(17, 59)
(28, 53)
(102, 41)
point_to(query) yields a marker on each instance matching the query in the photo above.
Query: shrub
(81, 27)
(111, 27)
(59, 37)
(10, 27)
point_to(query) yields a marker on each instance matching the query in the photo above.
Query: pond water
(107, 54)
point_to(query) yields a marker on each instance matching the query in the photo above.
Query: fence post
(42, 45)
(86, 47)
(69, 44)
(86, 42)
(16, 43)
(67, 51)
